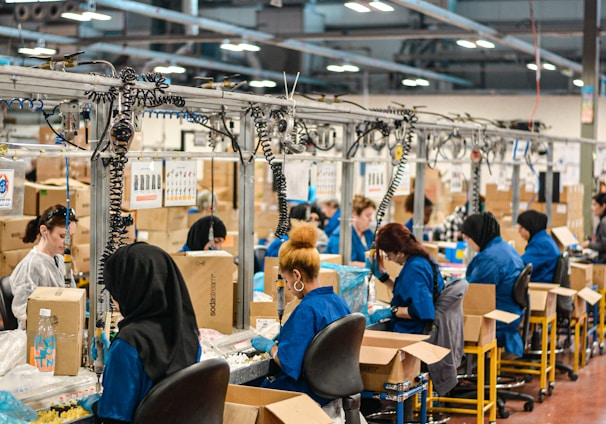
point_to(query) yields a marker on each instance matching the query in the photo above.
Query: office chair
(259, 252)
(331, 365)
(193, 395)
(6, 301)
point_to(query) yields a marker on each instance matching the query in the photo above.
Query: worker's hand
(87, 402)
(380, 315)
(97, 343)
(262, 344)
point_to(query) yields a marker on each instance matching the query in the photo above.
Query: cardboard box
(433, 250)
(382, 292)
(266, 313)
(480, 315)
(209, 279)
(82, 234)
(10, 259)
(599, 275)
(584, 296)
(67, 307)
(230, 244)
(581, 275)
(81, 257)
(543, 298)
(12, 231)
(38, 197)
(388, 357)
(170, 241)
(162, 219)
(332, 258)
(564, 237)
(254, 405)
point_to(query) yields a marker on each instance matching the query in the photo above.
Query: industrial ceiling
(415, 48)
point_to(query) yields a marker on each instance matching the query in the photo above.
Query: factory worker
(412, 307)
(362, 236)
(299, 264)
(158, 335)
(43, 266)
(427, 211)
(495, 262)
(199, 234)
(451, 228)
(303, 212)
(598, 238)
(332, 212)
(206, 203)
(541, 251)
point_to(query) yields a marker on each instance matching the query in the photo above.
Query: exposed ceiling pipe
(262, 37)
(166, 57)
(486, 32)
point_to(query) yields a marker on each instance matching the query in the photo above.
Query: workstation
(123, 156)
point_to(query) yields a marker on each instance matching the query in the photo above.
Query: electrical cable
(537, 60)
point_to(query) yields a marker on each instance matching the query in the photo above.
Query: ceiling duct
(43, 11)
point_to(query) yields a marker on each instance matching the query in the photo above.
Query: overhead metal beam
(267, 38)
(483, 31)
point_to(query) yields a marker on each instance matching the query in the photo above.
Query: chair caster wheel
(528, 406)
(573, 376)
(527, 378)
(601, 349)
(541, 395)
(550, 389)
(503, 413)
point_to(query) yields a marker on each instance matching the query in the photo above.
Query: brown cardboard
(563, 237)
(254, 405)
(388, 357)
(12, 231)
(82, 233)
(479, 314)
(10, 259)
(162, 219)
(432, 249)
(38, 197)
(81, 257)
(581, 275)
(264, 313)
(170, 241)
(599, 275)
(543, 297)
(590, 296)
(209, 280)
(332, 258)
(230, 244)
(67, 307)
(382, 292)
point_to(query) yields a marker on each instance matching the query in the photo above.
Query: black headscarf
(197, 236)
(481, 228)
(533, 221)
(159, 319)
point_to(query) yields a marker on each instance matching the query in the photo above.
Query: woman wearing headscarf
(158, 335)
(598, 238)
(412, 306)
(495, 262)
(207, 233)
(299, 264)
(541, 251)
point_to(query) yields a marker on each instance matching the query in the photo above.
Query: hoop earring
(299, 289)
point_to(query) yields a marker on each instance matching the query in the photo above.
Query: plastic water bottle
(45, 344)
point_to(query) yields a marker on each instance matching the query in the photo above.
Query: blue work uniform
(333, 223)
(274, 247)
(358, 249)
(543, 253)
(317, 309)
(408, 224)
(413, 288)
(125, 382)
(500, 264)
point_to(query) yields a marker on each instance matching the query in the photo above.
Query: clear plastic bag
(13, 411)
(352, 286)
(13, 350)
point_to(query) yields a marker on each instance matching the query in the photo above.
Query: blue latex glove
(373, 265)
(262, 344)
(380, 314)
(87, 402)
(105, 343)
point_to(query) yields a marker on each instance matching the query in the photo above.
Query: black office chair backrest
(561, 276)
(331, 365)
(520, 287)
(6, 302)
(193, 395)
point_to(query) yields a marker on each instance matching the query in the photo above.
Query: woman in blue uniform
(409, 206)
(158, 335)
(412, 306)
(598, 238)
(541, 251)
(299, 263)
(495, 262)
(361, 234)
(200, 236)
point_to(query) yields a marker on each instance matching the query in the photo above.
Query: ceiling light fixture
(86, 12)
(467, 44)
(422, 82)
(346, 67)
(357, 7)
(39, 49)
(262, 83)
(532, 66)
(240, 47)
(578, 82)
(485, 43)
(415, 82)
(408, 82)
(549, 66)
(171, 69)
(380, 6)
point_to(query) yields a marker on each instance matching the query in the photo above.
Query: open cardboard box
(599, 276)
(388, 357)
(480, 315)
(254, 405)
(585, 295)
(263, 314)
(581, 275)
(564, 237)
(544, 297)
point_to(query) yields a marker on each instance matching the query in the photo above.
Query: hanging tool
(280, 298)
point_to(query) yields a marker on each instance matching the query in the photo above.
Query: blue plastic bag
(13, 411)
(352, 286)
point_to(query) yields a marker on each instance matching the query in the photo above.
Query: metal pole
(419, 201)
(515, 192)
(347, 189)
(549, 183)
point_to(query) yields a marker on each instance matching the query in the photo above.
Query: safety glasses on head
(61, 211)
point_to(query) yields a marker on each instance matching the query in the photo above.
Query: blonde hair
(359, 203)
(300, 251)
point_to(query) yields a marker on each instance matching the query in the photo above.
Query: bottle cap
(45, 312)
